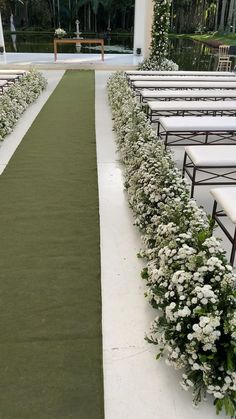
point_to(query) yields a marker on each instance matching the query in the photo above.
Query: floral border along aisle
(17, 98)
(187, 274)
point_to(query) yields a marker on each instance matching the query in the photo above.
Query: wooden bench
(226, 198)
(157, 109)
(178, 130)
(204, 94)
(210, 165)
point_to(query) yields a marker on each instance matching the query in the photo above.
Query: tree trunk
(222, 16)
(109, 21)
(26, 13)
(216, 15)
(54, 13)
(172, 16)
(123, 19)
(85, 18)
(95, 23)
(234, 18)
(230, 16)
(58, 14)
(89, 17)
(69, 7)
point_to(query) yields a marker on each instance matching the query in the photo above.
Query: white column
(142, 26)
(2, 43)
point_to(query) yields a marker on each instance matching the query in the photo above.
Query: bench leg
(232, 256)
(166, 140)
(184, 163)
(214, 209)
(193, 182)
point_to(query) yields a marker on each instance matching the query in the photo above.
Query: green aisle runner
(50, 302)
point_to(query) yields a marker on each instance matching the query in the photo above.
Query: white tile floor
(69, 60)
(136, 385)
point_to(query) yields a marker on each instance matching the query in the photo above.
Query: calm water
(43, 42)
(185, 52)
(192, 55)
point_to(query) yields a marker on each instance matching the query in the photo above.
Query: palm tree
(216, 15)
(222, 16)
(230, 16)
(95, 5)
(58, 14)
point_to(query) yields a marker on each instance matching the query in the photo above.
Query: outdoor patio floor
(91, 61)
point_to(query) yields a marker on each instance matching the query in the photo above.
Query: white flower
(60, 32)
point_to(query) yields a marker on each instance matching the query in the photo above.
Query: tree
(230, 16)
(222, 16)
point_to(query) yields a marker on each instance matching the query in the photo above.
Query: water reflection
(188, 54)
(191, 55)
(13, 35)
(13, 38)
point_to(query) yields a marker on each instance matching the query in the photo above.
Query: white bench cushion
(184, 84)
(215, 155)
(187, 93)
(193, 105)
(182, 78)
(226, 197)
(8, 76)
(182, 73)
(196, 123)
(13, 71)
(3, 82)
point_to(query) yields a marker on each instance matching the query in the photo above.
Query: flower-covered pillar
(160, 28)
(142, 26)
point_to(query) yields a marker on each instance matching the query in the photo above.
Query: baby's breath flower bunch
(156, 64)
(17, 98)
(188, 278)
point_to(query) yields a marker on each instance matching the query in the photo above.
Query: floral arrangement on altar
(188, 278)
(17, 98)
(59, 33)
